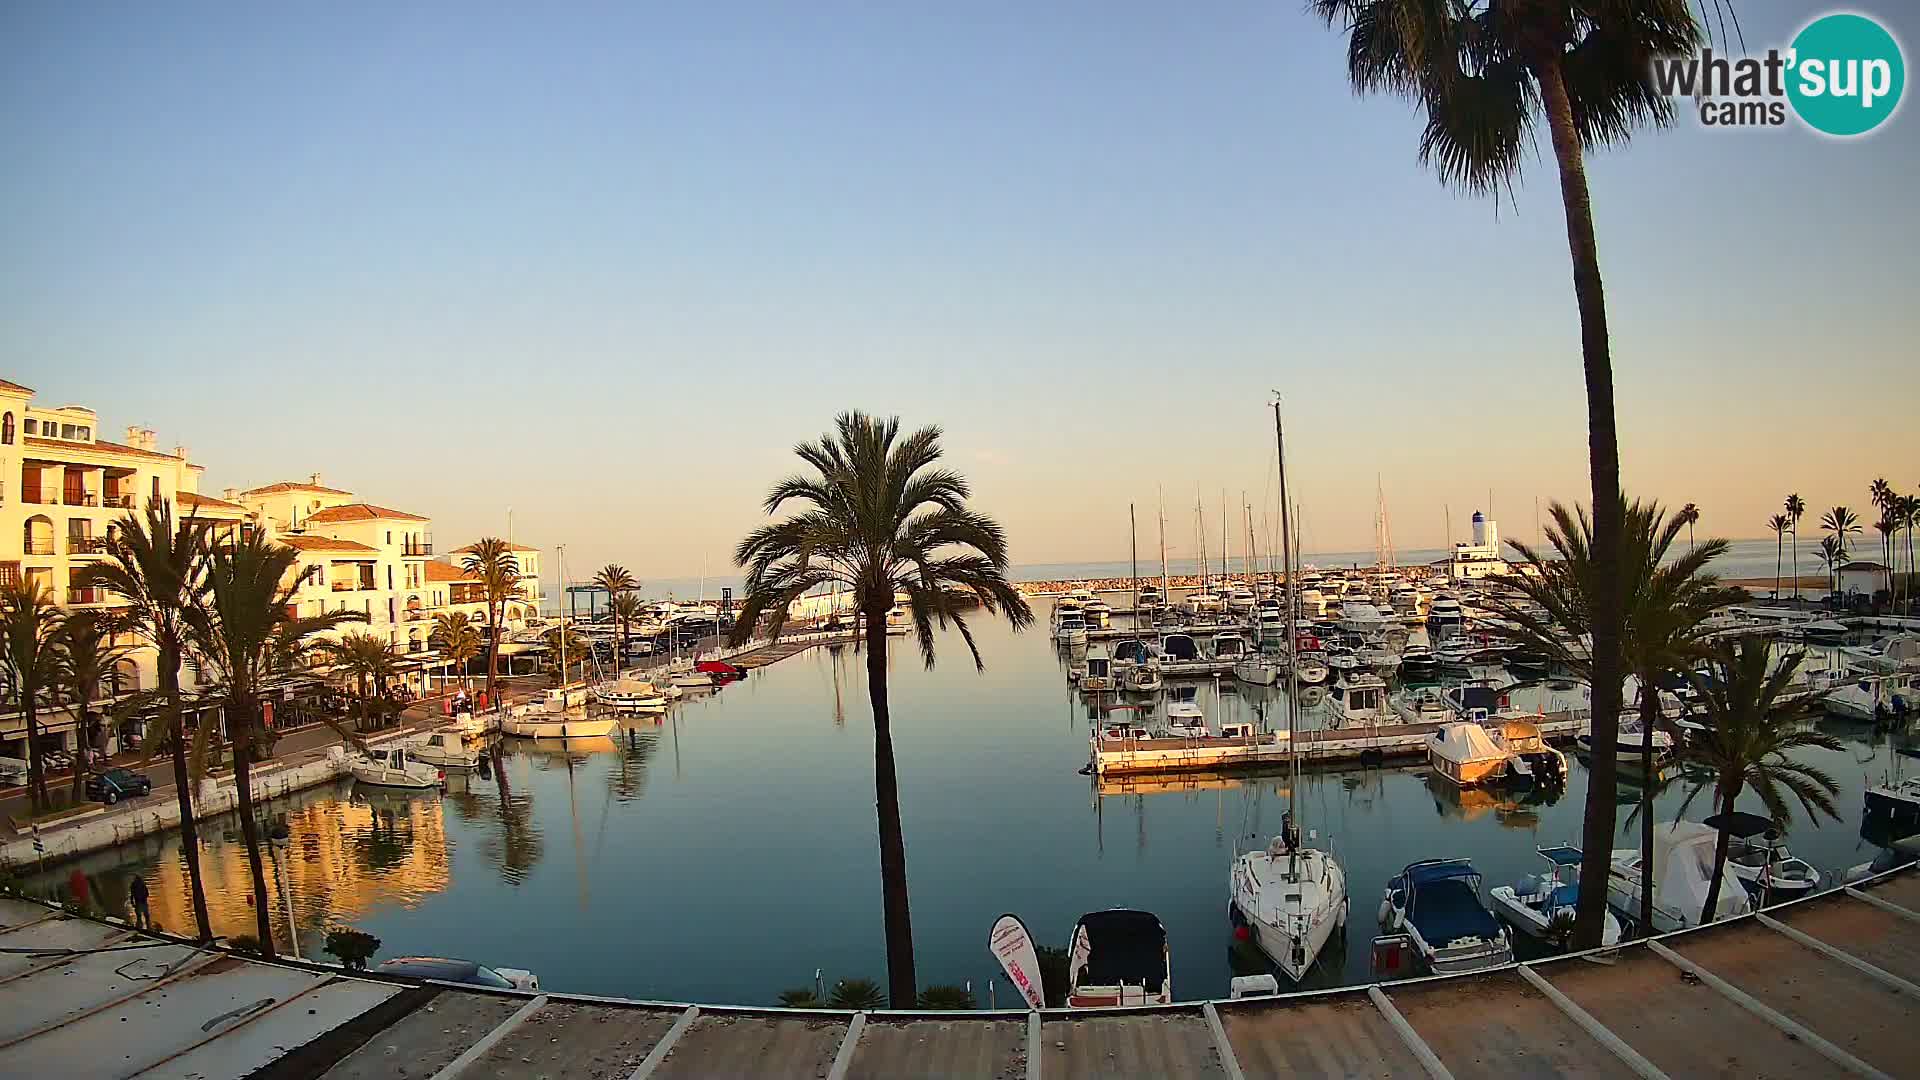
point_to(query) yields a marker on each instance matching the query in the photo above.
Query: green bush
(353, 948)
(857, 994)
(947, 998)
(801, 998)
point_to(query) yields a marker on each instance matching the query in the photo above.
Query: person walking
(137, 892)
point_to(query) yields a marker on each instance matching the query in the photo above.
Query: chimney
(140, 438)
(180, 452)
(230, 494)
(314, 479)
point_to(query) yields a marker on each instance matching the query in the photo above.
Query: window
(389, 537)
(84, 434)
(156, 489)
(32, 426)
(6, 429)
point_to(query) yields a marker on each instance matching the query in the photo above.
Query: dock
(1124, 757)
(1824, 986)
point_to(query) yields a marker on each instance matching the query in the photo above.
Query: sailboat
(1290, 898)
(1142, 675)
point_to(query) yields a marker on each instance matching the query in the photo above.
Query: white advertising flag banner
(1013, 947)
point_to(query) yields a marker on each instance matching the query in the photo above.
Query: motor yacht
(1873, 697)
(1185, 720)
(1423, 705)
(1118, 958)
(1417, 664)
(1436, 905)
(444, 750)
(1358, 699)
(1683, 861)
(389, 767)
(1229, 645)
(1099, 674)
(1069, 623)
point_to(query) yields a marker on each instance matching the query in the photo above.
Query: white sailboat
(1291, 898)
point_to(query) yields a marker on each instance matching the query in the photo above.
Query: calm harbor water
(727, 852)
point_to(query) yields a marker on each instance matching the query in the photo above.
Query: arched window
(6, 429)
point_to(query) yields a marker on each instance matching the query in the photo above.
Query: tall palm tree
(30, 665)
(242, 631)
(1840, 523)
(569, 646)
(880, 517)
(1909, 510)
(626, 608)
(1832, 554)
(157, 564)
(367, 660)
(1666, 604)
(614, 580)
(89, 670)
(1779, 524)
(1796, 508)
(1486, 75)
(458, 641)
(490, 561)
(1689, 515)
(1888, 527)
(1749, 742)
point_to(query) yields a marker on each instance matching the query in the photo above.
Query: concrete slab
(1866, 1018)
(147, 1029)
(428, 1039)
(565, 1039)
(1497, 1025)
(721, 1044)
(940, 1048)
(1902, 889)
(1684, 1027)
(1335, 1037)
(82, 984)
(1168, 1044)
(17, 913)
(1881, 938)
(268, 1036)
(58, 934)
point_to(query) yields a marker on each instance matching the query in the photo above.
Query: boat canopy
(1136, 651)
(1563, 855)
(1179, 647)
(1120, 946)
(1467, 742)
(1445, 905)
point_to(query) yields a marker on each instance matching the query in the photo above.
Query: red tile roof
(289, 485)
(468, 550)
(190, 498)
(15, 387)
(359, 512)
(439, 571)
(323, 543)
(101, 445)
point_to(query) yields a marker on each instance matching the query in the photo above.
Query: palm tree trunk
(1796, 565)
(901, 984)
(36, 770)
(1603, 462)
(1779, 540)
(493, 657)
(1649, 716)
(1732, 792)
(183, 786)
(80, 749)
(240, 714)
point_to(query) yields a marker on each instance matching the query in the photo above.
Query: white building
(464, 593)
(1481, 557)
(1867, 579)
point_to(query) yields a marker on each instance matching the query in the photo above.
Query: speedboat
(1683, 868)
(1465, 755)
(444, 750)
(1358, 700)
(390, 768)
(1423, 705)
(1291, 899)
(1535, 904)
(1257, 670)
(1769, 871)
(1530, 761)
(1872, 697)
(1099, 673)
(1417, 664)
(1228, 645)
(1186, 721)
(1436, 904)
(1118, 958)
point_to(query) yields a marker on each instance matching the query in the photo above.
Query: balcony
(80, 498)
(86, 545)
(77, 595)
(352, 585)
(38, 497)
(39, 547)
(417, 548)
(118, 502)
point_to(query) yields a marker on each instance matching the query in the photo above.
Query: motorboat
(1229, 645)
(1291, 899)
(1896, 802)
(1186, 721)
(1683, 869)
(1531, 762)
(1423, 705)
(1342, 661)
(444, 750)
(1465, 755)
(1099, 673)
(1069, 624)
(1528, 661)
(1435, 904)
(1637, 745)
(1270, 622)
(1768, 871)
(1873, 697)
(899, 621)
(1098, 613)
(1417, 664)
(691, 677)
(560, 715)
(1122, 726)
(1541, 906)
(1240, 600)
(1118, 958)
(1359, 700)
(1360, 616)
(631, 694)
(1255, 669)
(1378, 659)
(389, 767)
(1203, 603)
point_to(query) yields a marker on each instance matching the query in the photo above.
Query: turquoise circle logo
(1847, 75)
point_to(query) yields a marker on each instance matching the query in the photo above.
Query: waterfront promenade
(1821, 987)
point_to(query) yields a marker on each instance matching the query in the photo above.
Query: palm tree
(1486, 74)
(1888, 527)
(367, 660)
(1840, 523)
(157, 564)
(627, 608)
(880, 518)
(1796, 508)
(1779, 523)
(490, 561)
(614, 579)
(1832, 554)
(243, 633)
(30, 665)
(1909, 517)
(1666, 605)
(1749, 742)
(568, 646)
(458, 641)
(1688, 516)
(89, 670)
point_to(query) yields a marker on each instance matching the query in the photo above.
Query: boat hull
(581, 728)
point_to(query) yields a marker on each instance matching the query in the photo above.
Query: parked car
(461, 971)
(115, 784)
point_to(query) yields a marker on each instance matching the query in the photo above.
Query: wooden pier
(1825, 986)
(1124, 757)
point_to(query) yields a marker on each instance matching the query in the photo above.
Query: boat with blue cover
(1532, 904)
(1435, 905)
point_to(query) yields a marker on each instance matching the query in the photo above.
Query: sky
(607, 264)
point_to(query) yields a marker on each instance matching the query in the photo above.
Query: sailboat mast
(1293, 637)
(1226, 546)
(1163, 548)
(1133, 544)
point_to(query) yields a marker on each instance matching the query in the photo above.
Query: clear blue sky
(605, 264)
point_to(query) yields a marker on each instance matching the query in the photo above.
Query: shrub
(801, 998)
(947, 997)
(353, 948)
(857, 994)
